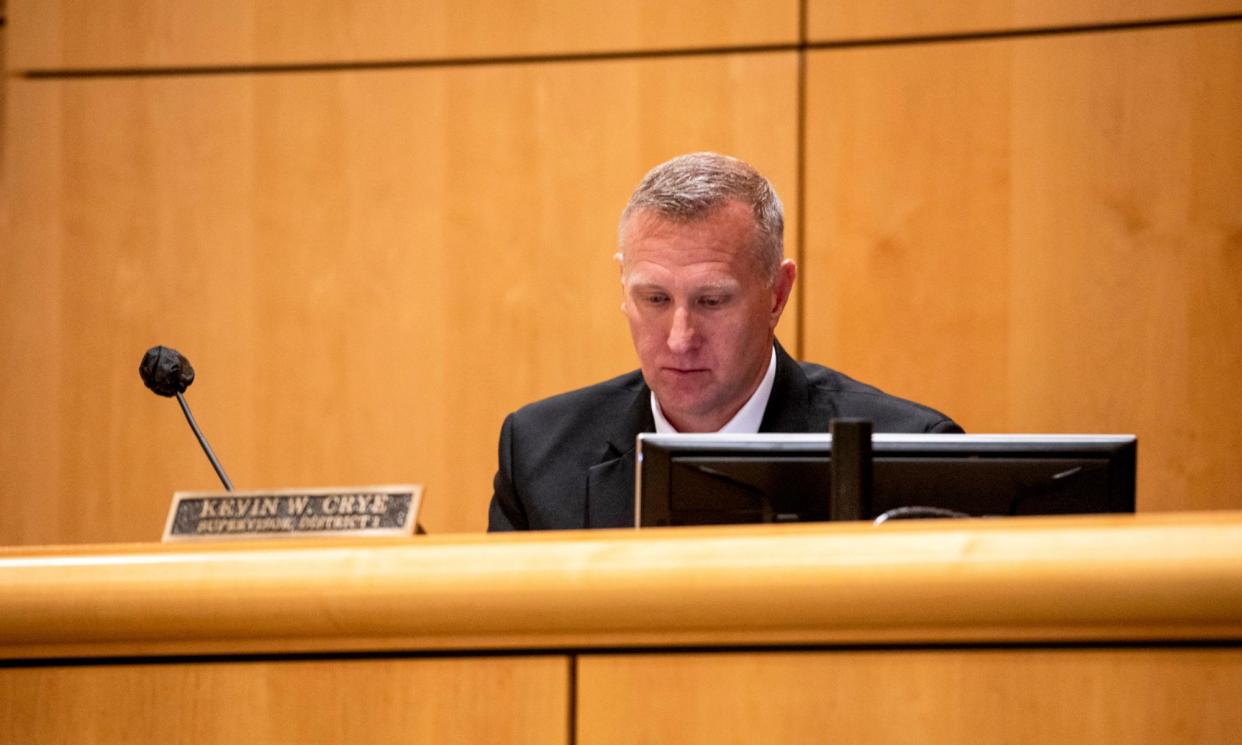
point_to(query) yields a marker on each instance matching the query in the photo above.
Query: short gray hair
(690, 187)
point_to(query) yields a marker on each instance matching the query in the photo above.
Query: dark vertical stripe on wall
(572, 736)
(799, 227)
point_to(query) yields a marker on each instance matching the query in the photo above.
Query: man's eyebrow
(642, 283)
(724, 285)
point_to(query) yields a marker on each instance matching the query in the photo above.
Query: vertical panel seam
(800, 251)
(572, 735)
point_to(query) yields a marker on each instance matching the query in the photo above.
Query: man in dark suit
(704, 283)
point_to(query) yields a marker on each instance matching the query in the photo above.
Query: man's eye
(713, 301)
(655, 299)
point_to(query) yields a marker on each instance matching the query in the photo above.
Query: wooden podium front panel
(1118, 629)
(1124, 695)
(461, 700)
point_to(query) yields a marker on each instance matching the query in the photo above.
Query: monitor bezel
(656, 450)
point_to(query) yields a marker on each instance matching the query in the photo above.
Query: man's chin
(684, 405)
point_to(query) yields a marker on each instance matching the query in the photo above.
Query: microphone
(166, 372)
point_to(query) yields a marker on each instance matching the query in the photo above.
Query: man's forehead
(648, 221)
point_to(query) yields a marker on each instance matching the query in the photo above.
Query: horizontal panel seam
(451, 62)
(447, 62)
(575, 654)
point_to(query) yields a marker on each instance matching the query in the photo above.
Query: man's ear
(782, 288)
(620, 259)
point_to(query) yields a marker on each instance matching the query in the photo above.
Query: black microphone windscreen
(165, 371)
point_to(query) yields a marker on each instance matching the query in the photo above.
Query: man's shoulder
(847, 397)
(548, 448)
(577, 427)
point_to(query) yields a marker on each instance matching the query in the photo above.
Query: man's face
(701, 312)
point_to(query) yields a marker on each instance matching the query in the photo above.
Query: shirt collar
(748, 418)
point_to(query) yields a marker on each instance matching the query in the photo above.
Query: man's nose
(681, 336)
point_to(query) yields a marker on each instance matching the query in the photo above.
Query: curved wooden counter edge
(1116, 579)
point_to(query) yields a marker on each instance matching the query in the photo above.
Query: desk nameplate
(389, 510)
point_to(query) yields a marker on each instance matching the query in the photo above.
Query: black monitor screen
(717, 479)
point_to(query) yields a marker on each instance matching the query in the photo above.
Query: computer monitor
(707, 479)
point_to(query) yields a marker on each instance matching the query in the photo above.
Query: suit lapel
(610, 483)
(789, 407)
(610, 493)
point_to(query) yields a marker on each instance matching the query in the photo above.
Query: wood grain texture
(840, 20)
(1011, 697)
(81, 34)
(1040, 235)
(367, 269)
(509, 699)
(1116, 579)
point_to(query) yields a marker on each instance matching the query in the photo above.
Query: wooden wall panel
(839, 20)
(367, 269)
(512, 700)
(1131, 696)
(73, 34)
(1040, 234)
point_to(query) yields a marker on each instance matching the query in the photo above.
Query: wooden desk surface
(1141, 578)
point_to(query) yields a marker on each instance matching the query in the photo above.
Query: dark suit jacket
(568, 461)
